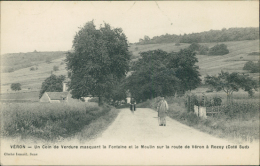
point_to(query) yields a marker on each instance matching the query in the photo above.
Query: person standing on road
(162, 109)
(133, 103)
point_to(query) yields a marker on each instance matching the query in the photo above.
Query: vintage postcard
(130, 83)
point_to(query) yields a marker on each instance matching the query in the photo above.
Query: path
(138, 130)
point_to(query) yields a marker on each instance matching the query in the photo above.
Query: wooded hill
(231, 34)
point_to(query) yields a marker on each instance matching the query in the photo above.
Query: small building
(54, 97)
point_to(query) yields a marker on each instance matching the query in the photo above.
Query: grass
(20, 96)
(51, 121)
(239, 122)
(95, 128)
(16, 61)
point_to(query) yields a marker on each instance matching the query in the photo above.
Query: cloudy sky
(51, 26)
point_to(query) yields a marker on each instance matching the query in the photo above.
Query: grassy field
(15, 61)
(239, 122)
(30, 96)
(53, 121)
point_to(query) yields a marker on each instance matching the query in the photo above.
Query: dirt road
(142, 128)
(137, 139)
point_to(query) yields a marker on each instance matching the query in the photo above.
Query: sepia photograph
(129, 83)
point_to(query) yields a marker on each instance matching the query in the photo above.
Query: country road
(142, 128)
(137, 139)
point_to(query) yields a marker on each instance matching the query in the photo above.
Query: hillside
(224, 35)
(234, 61)
(15, 61)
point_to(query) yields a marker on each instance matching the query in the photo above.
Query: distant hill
(15, 61)
(231, 34)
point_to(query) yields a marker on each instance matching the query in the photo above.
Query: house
(54, 97)
(59, 97)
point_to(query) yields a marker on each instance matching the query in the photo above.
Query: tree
(55, 68)
(100, 59)
(219, 49)
(16, 86)
(159, 73)
(52, 84)
(253, 67)
(230, 83)
(184, 66)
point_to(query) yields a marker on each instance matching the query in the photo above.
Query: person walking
(162, 109)
(133, 103)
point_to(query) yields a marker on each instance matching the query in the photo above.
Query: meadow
(54, 121)
(238, 121)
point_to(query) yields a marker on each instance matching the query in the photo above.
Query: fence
(204, 111)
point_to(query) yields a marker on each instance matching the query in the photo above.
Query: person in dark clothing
(133, 103)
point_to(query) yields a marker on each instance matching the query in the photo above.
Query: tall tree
(160, 73)
(100, 59)
(183, 62)
(52, 84)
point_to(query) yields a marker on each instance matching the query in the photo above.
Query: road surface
(142, 128)
(137, 139)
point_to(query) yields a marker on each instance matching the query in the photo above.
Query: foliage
(253, 67)
(55, 68)
(151, 77)
(231, 82)
(118, 93)
(49, 121)
(16, 86)
(100, 59)
(204, 101)
(231, 34)
(183, 64)
(52, 84)
(159, 73)
(33, 68)
(48, 60)
(219, 49)
(200, 49)
(194, 47)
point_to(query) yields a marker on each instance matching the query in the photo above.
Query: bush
(194, 47)
(203, 50)
(253, 67)
(32, 69)
(16, 86)
(55, 68)
(219, 49)
(48, 60)
(177, 44)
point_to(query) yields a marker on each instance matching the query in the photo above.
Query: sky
(51, 26)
